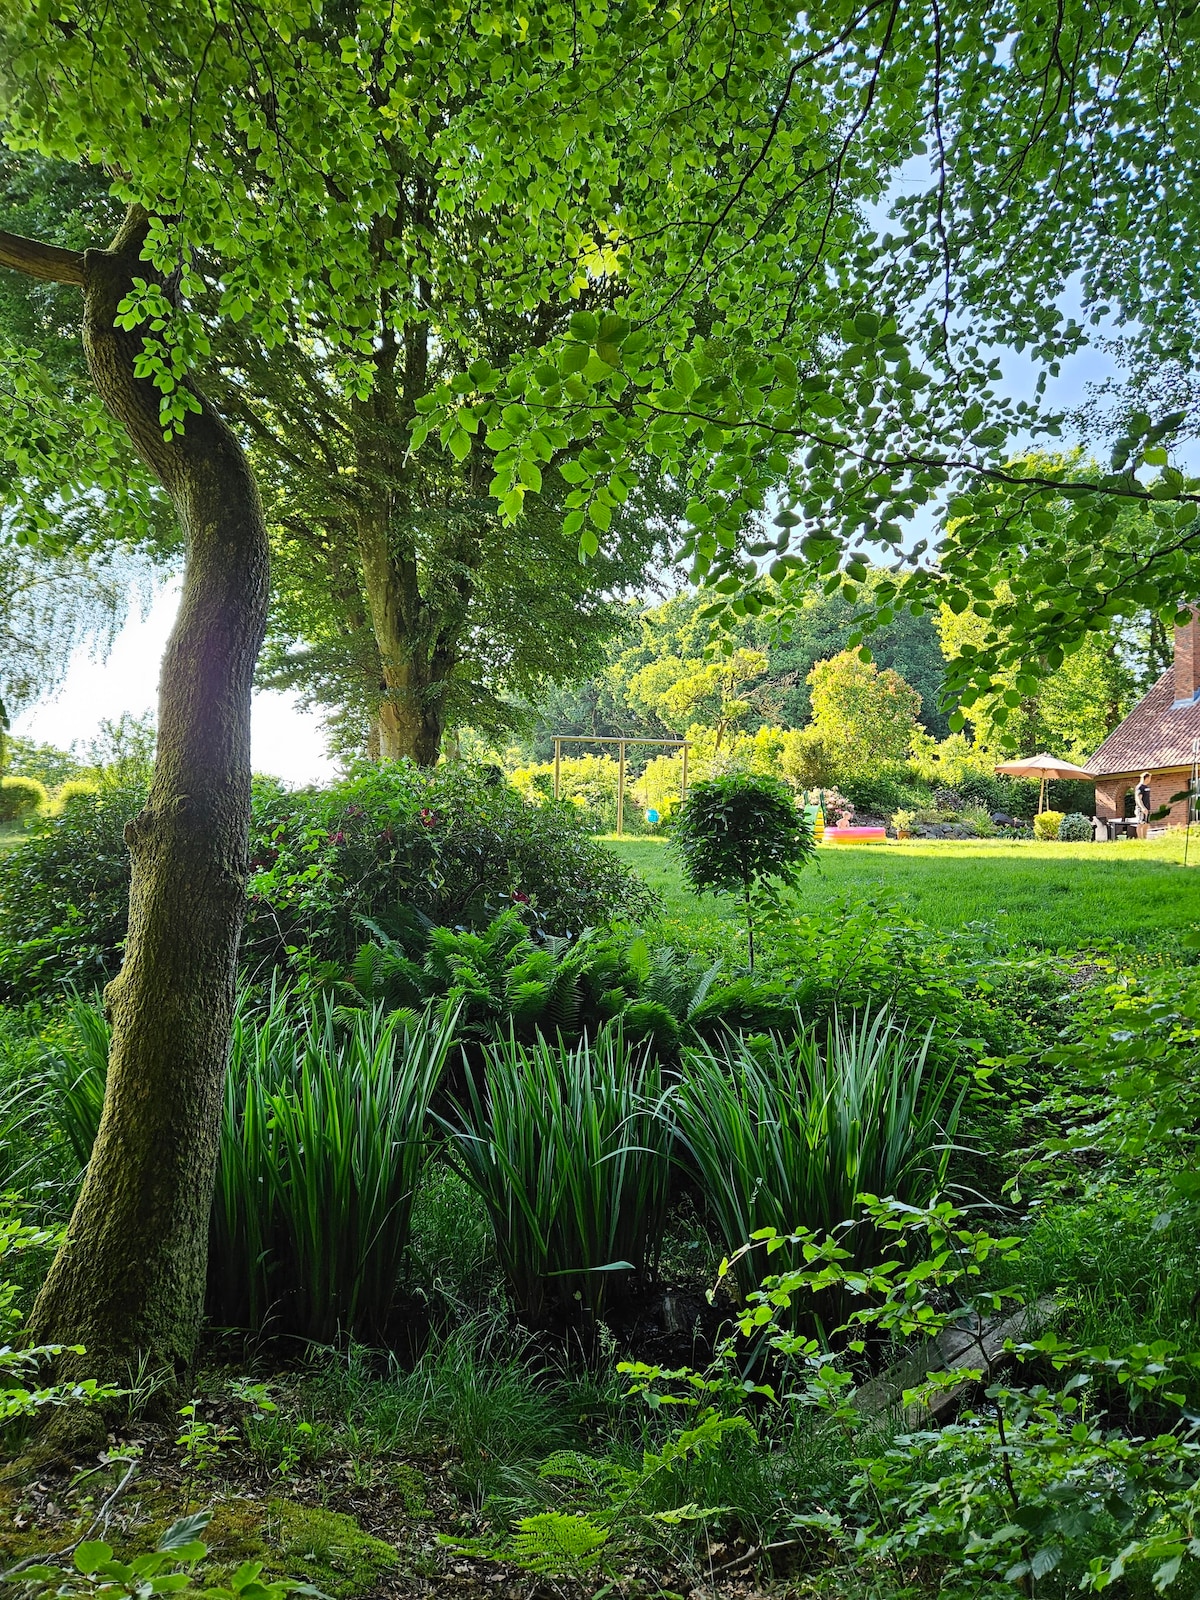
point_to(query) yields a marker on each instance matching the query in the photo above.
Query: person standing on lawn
(1141, 805)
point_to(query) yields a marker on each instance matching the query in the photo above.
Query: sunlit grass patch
(1074, 895)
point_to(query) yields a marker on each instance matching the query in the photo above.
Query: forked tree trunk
(129, 1278)
(409, 728)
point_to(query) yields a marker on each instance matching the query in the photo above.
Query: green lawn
(10, 836)
(1045, 894)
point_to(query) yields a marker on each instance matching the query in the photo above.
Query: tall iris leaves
(323, 1141)
(322, 1146)
(787, 1134)
(569, 1150)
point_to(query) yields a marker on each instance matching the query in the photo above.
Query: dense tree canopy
(869, 385)
(867, 716)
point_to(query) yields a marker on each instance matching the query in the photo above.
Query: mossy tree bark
(129, 1278)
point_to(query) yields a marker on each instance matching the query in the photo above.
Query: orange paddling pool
(856, 835)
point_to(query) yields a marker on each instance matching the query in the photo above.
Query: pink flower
(337, 838)
(520, 897)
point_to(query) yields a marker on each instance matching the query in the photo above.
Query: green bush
(569, 1151)
(745, 1005)
(1075, 828)
(21, 798)
(74, 792)
(456, 844)
(982, 789)
(787, 1135)
(878, 794)
(1046, 824)
(64, 898)
(506, 982)
(393, 842)
(46, 763)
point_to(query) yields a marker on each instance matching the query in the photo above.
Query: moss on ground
(325, 1548)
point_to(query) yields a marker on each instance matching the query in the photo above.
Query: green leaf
(573, 358)
(91, 1555)
(613, 329)
(584, 325)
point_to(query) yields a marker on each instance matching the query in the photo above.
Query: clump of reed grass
(786, 1132)
(568, 1148)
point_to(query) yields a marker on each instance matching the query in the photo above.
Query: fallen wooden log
(977, 1346)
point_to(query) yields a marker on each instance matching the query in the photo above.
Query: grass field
(1052, 895)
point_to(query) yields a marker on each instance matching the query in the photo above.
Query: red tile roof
(1155, 735)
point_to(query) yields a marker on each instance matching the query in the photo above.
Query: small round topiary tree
(742, 835)
(20, 798)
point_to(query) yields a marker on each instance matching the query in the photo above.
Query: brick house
(1156, 737)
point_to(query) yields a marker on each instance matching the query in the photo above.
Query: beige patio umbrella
(1044, 767)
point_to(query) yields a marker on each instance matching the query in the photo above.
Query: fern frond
(552, 1541)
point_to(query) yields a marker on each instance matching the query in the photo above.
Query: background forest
(798, 704)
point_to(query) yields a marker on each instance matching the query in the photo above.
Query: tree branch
(37, 260)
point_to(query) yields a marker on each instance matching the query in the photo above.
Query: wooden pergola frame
(561, 739)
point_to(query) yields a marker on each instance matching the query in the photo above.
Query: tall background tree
(498, 612)
(450, 567)
(663, 645)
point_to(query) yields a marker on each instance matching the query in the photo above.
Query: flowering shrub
(454, 845)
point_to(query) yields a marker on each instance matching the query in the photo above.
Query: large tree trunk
(414, 667)
(130, 1276)
(408, 729)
